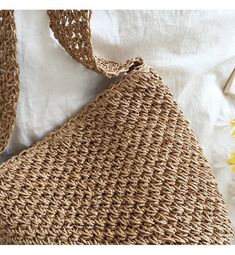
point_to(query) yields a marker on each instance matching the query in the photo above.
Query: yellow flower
(231, 160)
(233, 126)
(233, 123)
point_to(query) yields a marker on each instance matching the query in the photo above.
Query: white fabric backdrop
(194, 51)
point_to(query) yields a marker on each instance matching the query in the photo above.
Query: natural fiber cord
(126, 170)
(72, 29)
(9, 80)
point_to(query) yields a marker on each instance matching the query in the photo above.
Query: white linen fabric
(194, 52)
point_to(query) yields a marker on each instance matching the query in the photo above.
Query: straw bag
(126, 170)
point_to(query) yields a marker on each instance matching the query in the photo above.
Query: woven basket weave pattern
(72, 29)
(9, 80)
(127, 170)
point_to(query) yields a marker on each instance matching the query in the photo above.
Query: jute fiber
(126, 170)
(9, 80)
(72, 30)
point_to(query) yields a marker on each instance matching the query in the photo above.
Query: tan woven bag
(126, 170)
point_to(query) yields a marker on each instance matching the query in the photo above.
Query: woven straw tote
(126, 170)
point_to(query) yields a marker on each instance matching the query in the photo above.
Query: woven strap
(9, 76)
(72, 29)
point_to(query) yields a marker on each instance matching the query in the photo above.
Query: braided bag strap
(72, 29)
(9, 76)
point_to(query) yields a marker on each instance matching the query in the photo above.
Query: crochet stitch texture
(126, 170)
(9, 76)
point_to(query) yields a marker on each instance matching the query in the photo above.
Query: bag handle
(72, 29)
(9, 76)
